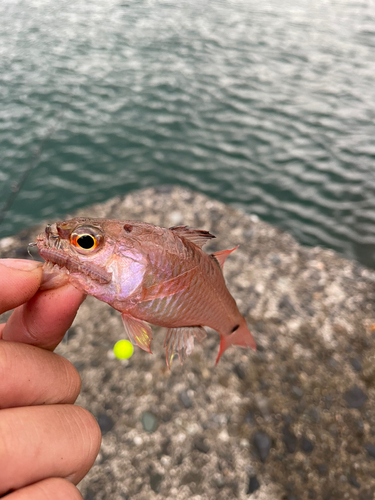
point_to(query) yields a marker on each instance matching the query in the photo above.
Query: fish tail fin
(241, 336)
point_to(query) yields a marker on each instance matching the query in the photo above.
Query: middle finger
(34, 376)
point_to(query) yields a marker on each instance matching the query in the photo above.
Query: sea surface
(267, 105)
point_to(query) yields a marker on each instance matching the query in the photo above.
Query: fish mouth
(54, 251)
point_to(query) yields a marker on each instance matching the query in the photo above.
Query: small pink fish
(151, 275)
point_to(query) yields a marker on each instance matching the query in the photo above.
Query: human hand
(47, 444)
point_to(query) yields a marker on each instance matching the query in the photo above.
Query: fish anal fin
(222, 255)
(138, 331)
(181, 341)
(197, 236)
(241, 337)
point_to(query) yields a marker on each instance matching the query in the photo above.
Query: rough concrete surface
(295, 420)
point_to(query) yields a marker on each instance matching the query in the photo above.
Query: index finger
(44, 320)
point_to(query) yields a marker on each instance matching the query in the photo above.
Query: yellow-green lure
(123, 349)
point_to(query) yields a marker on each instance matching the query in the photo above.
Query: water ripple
(268, 106)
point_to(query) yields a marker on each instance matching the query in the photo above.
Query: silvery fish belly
(151, 275)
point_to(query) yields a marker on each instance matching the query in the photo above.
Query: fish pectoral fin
(167, 288)
(221, 256)
(138, 331)
(181, 341)
(197, 236)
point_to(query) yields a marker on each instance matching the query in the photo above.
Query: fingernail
(22, 265)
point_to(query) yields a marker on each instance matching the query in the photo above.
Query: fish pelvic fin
(138, 331)
(241, 336)
(181, 341)
(221, 256)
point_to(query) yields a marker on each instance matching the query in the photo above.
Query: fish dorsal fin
(197, 236)
(181, 341)
(221, 256)
(138, 331)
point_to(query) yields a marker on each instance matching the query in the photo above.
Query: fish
(151, 275)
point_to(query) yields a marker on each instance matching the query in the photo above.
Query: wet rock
(263, 405)
(262, 443)
(192, 477)
(105, 423)
(356, 364)
(307, 446)
(185, 399)
(95, 362)
(370, 448)
(254, 485)
(368, 374)
(353, 481)
(70, 334)
(290, 439)
(219, 481)
(297, 392)
(328, 400)
(333, 364)
(286, 304)
(275, 259)
(248, 233)
(155, 481)
(90, 494)
(200, 444)
(149, 421)
(79, 366)
(313, 415)
(165, 447)
(239, 371)
(366, 495)
(249, 418)
(322, 469)
(355, 397)
(334, 430)
(359, 428)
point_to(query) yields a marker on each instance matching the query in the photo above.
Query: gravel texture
(295, 420)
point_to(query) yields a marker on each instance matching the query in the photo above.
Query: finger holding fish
(45, 318)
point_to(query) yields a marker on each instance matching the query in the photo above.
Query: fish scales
(151, 275)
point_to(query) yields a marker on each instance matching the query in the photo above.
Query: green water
(269, 106)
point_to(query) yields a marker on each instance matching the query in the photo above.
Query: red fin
(241, 337)
(168, 287)
(197, 236)
(181, 341)
(138, 331)
(222, 255)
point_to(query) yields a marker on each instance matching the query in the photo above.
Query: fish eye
(86, 241)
